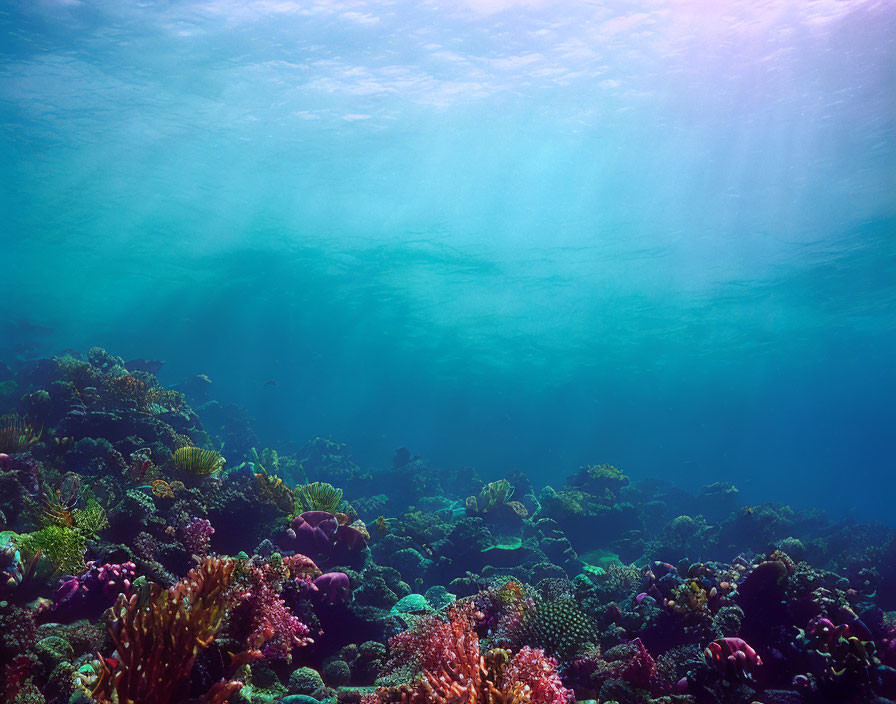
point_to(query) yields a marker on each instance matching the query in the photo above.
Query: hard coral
(97, 586)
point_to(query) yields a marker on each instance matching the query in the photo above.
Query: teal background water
(502, 233)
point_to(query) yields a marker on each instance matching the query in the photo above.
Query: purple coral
(733, 657)
(196, 535)
(317, 533)
(97, 586)
(334, 588)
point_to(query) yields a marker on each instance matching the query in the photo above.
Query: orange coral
(158, 632)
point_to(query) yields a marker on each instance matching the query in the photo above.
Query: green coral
(560, 626)
(91, 519)
(54, 649)
(64, 547)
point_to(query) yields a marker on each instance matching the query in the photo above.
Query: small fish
(270, 383)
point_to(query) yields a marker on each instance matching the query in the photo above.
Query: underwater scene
(448, 352)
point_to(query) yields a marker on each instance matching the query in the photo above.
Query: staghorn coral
(158, 633)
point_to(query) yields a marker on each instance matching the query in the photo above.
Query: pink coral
(733, 657)
(530, 668)
(271, 626)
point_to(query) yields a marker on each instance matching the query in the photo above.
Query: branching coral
(158, 632)
(261, 616)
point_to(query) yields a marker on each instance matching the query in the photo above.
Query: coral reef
(137, 566)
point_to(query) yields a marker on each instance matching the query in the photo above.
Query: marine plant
(158, 633)
(16, 433)
(197, 461)
(64, 547)
(268, 461)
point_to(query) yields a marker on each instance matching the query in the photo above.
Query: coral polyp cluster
(136, 566)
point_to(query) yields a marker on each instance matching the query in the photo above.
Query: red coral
(530, 668)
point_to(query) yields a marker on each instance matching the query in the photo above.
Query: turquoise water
(501, 233)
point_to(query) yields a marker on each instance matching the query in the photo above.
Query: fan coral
(158, 632)
(194, 460)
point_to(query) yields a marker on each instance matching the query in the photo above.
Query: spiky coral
(158, 632)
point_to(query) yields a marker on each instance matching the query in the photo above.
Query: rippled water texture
(499, 232)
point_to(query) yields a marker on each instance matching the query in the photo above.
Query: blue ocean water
(501, 233)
